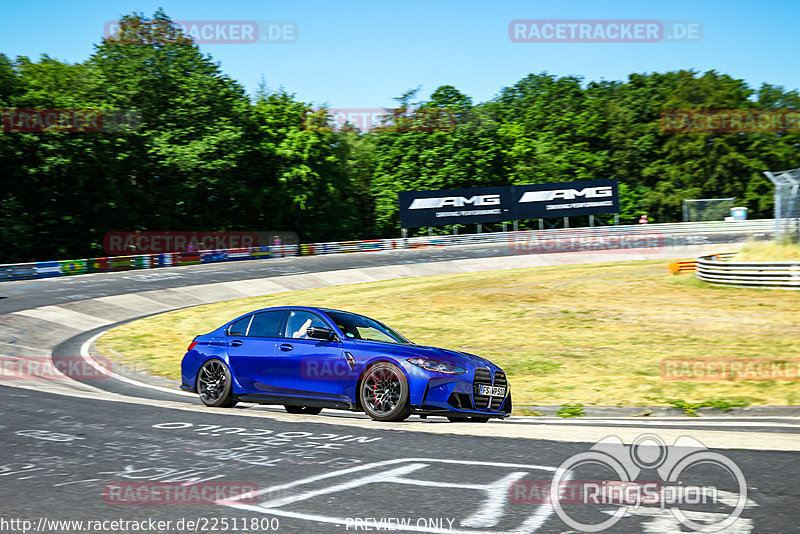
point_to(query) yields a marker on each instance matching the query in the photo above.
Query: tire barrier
(668, 234)
(771, 275)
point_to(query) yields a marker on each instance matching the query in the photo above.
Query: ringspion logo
(680, 487)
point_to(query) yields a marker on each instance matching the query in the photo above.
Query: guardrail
(525, 241)
(690, 266)
(766, 274)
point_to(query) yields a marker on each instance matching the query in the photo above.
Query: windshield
(359, 327)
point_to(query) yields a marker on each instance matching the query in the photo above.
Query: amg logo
(566, 194)
(456, 202)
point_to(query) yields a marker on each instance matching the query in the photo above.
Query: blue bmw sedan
(308, 359)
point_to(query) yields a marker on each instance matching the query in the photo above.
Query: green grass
(591, 334)
(571, 410)
(724, 405)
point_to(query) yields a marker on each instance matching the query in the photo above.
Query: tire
(214, 384)
(383, 393)
(307, 410)
(471, 419)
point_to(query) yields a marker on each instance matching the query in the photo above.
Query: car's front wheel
(214, 384)
(384, 393)
(307, 410)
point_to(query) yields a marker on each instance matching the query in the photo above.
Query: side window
(299, 321)
(239, 328)
(267, 324)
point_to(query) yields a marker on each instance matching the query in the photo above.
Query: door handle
(236, 343)
(286, 347)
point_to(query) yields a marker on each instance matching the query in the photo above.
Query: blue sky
(361, 54)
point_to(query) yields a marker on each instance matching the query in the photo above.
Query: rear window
(239, 328)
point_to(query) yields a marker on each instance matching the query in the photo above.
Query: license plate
(494, 391)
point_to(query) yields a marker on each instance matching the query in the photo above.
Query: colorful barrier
(371, 245)
(99, 265)
(261, 253)
(69, 267)
(121, 263)
(47, 269)
(18, 271)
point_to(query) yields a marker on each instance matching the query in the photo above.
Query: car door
(251, 346)
(306, 367)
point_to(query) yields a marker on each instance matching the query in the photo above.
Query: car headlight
(437, 366)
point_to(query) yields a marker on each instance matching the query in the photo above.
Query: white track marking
(91, 361)
(662, 422)
(496, 493)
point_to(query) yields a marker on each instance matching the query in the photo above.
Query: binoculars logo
(673, 465)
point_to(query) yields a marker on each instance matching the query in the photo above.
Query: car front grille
(500, 381)
(482, 376)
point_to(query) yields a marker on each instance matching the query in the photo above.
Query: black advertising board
(497, 204)
(455, 206)
(566, 199)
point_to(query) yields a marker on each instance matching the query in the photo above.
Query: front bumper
(448, 396)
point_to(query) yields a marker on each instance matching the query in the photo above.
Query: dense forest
(209, 156)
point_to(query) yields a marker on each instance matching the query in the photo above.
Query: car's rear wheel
(307, 410)
(384, 393)
(214, 384)
(471, 419)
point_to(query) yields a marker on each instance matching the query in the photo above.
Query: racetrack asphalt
(68, 447)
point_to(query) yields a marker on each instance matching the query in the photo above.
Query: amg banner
(455, 206)
(566, 199)
(497, 204)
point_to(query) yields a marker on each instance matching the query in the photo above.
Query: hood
(435, 353)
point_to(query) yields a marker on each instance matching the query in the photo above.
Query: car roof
(307, 308)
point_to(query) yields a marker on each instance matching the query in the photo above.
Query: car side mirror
(317, 332)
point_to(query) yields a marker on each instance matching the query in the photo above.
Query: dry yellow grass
(769, 251)
(594, 334)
